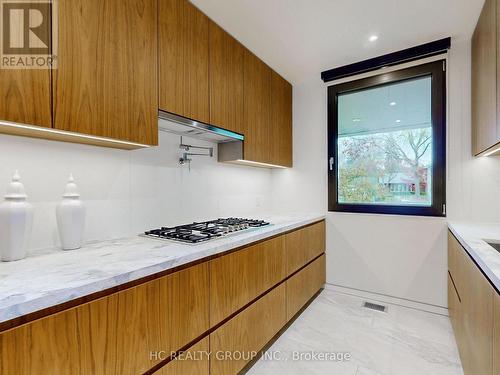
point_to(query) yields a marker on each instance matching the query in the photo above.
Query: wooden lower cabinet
(303, 285)
(239, 277)
(237, 342)
(470, 299)
(496, 334)
(135, 330)
(304, 245)
(195, 361)
(115, 334)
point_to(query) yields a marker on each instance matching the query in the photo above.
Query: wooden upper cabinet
(183, 59)
(281, 121)
(484, 80)
(257, 106)
(226, 80)
(106, 83)
(25, 95)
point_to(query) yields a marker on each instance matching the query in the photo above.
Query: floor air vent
(375, 306)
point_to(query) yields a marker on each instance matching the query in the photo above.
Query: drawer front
(233, 345)
(304, 245)
(115, 334)
(239, 277)
(195, 361)
(304, 284)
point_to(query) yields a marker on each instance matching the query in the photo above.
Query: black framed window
(387, 143)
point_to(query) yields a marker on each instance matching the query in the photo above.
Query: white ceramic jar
(70, 213)
(16, 219)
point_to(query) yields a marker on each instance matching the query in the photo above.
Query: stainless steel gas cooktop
(205, 231)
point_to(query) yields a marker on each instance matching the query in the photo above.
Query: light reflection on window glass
(385, 145)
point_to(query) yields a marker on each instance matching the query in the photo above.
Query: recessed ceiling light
(373, 38)
(392, 104)
(356, 120)
(398, 121)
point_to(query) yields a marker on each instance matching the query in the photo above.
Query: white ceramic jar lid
(15, 190)
(71, 188)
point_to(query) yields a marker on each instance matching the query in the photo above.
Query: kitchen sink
(495, 245)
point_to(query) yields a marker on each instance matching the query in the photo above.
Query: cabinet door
(471, 311)
(303, 245)
(303, 285)
(247, 333)
(257, 96)
(106, 81)
(239, 277)
(281, 121)
(195, 361)
(226, 80)
(183, 56)
(484, 83)
(115, 334)
(25, 95)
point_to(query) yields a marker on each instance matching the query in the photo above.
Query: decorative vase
(70, 214)
(16, 219)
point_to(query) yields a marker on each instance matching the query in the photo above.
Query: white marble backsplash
(51, 277)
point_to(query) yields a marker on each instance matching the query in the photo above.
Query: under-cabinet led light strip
(41, 129)
(260, 164)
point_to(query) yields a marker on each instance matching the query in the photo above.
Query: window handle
(331, 162)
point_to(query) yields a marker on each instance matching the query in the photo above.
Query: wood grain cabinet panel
(183, 56)
(257, 106)
(281, 122)
(115, 334)
(496, 333)
(226, 80)
(484, 79)
(195, 361)
(106, 83)
(233, 344)
(302, 286)
(303, 245)
(25, 96)
(471, 312)
(239, 277)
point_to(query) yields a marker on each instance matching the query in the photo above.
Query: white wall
(399, 256)
(129, 192)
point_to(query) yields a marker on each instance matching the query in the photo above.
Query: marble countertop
(472, 237)
(52, 277)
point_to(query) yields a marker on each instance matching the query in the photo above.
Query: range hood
(171, 123)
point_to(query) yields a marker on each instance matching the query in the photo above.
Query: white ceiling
(301, 38)
(402, 105)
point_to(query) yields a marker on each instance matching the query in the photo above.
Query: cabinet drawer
(303, 285)
(239, 277)
(304, 245)
(115, 334)
(247, 333)
(195, 361)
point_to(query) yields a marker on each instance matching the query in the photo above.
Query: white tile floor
(402, 341)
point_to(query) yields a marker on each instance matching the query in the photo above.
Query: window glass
(385, 143)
